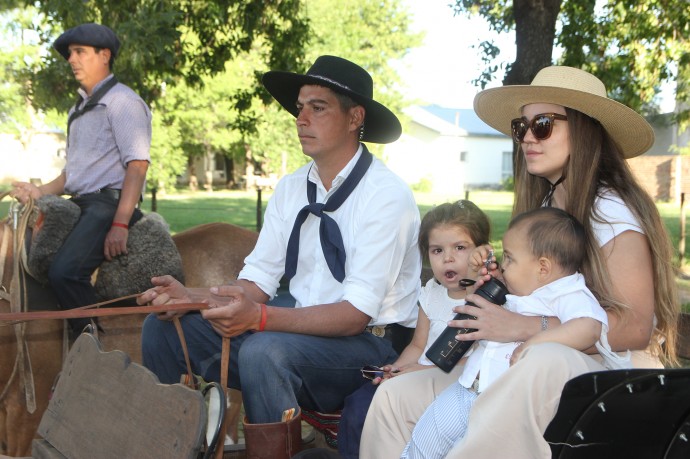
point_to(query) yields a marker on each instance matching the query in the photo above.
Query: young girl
(447, 236)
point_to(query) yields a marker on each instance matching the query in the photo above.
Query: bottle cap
(494, 289)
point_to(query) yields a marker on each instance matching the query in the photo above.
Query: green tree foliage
(369, 32)
(205, 120)
(13, 108)
(372, 33)
(632, 45)
(167, 160)
(166, 41)
(254, 130)
(534, 22)
(198, 64)
(21, 57)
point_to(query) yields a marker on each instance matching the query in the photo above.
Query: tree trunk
(193, 180)
(208, 171)
(535, 30)
(230, 181)
(248, 167)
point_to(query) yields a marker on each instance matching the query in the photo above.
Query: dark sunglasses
(541, 126)
(372, 372)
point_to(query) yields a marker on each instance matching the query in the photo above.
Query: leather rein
(17, 296)
(19, 314)
(93, 310)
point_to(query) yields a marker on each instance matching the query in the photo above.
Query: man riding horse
(108, 141)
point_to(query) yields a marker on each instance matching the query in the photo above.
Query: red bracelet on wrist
(121, 225)
(262, 324)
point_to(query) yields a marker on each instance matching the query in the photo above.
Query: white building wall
(43, 158)
(436, 160)
(485, 160)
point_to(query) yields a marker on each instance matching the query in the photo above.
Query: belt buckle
(378, 330)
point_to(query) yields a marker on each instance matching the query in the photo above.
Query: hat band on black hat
(328, 80)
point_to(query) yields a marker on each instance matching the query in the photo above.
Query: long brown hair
(595, 163)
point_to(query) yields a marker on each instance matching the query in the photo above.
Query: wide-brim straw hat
(344, 77)
(91, 34)
(572, 88)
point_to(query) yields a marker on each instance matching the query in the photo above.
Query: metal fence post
(259, 211)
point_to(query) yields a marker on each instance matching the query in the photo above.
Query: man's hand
(391, 371)
(166, 290)
(115, 242)
(231, 312)
(22, 191)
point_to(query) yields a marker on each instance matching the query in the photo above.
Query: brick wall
(658, 175)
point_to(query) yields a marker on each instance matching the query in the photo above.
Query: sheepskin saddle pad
(150, 250)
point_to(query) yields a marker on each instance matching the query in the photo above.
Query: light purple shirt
(105, 139)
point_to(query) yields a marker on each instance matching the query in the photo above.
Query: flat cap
(91, 34)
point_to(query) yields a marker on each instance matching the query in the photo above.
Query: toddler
(447, 236)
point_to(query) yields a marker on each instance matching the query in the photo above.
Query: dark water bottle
(446, 350)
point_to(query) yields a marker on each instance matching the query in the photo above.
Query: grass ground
(184, 210)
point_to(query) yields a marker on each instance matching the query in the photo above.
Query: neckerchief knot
(329, 232)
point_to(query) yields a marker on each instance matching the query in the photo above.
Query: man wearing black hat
(108, 140)
(343, 229)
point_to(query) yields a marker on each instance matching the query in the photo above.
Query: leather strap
(16, 297)
(18, 300)
(4, 249)
(90, 104)
(224, 364)
(190, 382)
(224, 367)
(12, 318)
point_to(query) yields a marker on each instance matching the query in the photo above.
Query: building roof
(463, 118)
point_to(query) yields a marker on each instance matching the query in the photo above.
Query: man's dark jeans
(82, 252)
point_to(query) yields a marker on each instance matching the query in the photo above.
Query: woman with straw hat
(573, 142)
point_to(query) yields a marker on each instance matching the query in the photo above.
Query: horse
(211, 254)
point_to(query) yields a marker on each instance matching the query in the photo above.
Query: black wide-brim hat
(91, 34)
(344, 77)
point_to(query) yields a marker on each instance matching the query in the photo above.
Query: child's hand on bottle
(481, 261)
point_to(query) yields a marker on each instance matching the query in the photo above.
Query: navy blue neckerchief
(331, 239)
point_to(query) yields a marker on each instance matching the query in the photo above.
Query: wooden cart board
(105, 406)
